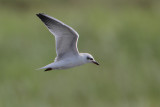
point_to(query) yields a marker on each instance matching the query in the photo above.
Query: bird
(66, 39)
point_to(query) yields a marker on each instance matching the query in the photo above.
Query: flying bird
(66, 39)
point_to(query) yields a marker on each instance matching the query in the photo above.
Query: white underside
(66, 63)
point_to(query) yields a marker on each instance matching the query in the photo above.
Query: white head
(88, 58)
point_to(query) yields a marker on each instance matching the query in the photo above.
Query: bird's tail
(47, 67)
(40, 68)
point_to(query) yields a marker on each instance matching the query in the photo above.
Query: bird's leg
(48, 69)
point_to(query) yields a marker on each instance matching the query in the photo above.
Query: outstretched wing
(65, 36)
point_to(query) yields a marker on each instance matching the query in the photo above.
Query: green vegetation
(124, 37)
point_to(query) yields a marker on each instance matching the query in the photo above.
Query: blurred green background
(123, 36)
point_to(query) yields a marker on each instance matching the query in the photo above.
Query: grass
(123, 39)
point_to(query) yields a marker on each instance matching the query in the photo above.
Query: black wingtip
(40, 14)
(37, 14)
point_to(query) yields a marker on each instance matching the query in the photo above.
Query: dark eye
(89, 58)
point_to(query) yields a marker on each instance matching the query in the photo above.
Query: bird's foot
(48, 69)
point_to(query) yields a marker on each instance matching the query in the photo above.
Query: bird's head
(88, 58)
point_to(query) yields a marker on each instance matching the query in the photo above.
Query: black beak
(95, 62)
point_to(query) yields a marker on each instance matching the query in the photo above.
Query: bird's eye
(89, 58)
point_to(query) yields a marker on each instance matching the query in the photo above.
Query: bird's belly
(68, 64)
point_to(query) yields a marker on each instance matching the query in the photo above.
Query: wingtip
(37, 14)
(40, 14)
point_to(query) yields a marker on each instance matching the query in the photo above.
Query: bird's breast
(68, 63)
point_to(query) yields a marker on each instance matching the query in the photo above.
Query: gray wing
(66, 37)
